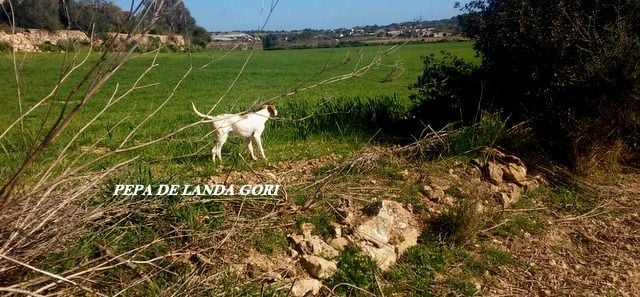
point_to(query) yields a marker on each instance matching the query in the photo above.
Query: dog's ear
(272, 110)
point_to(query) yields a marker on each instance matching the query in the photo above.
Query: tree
(37, 14)
(270, 41)
(201, 38)
(99, 15)
(569, 68)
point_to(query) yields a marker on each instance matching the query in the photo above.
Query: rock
(259, 265)
(426, 190)
(530, 185)
(339, 243)
(387, 231)
(305, 286)
(318, 267)
(404, 174)
(514, 173)
(346, 216)
(435, 193)
(292, 253)
(307, 228)
(502, 157)
(510, 194)
(313, 245)
(385, 256)
(337, 230)
(408, 239)
(448, 200)
(493, 172)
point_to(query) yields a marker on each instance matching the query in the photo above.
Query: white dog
(249, 125)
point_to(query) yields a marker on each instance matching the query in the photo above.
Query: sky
(242, 15)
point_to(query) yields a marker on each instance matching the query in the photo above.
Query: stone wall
(30, 39)
(149, 39)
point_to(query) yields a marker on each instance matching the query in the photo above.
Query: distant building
(234, 40)
(222, 37)
(394, 33)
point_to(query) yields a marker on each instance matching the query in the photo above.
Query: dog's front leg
(256, 138)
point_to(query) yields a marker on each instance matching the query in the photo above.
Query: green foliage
(37, 14)
(195, 217)
(488, 131)
(462, 286)
(321, 220)
(498, 257)
(271, 241)
(48, 47)
(519, 224)
(568, 66)
(200, 37)
(459, 223)
(342, 115)
(5, 47)
(102, 16)
(98, 15)
(447, 91)
(357, 269)
(270, 41)
(415, 273)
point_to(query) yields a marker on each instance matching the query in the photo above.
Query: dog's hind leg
(222, 138)
(250, 148)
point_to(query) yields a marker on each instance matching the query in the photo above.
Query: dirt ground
(593, 254)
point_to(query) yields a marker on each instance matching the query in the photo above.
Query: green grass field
(265, 77)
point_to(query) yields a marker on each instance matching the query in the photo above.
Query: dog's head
(273, 112)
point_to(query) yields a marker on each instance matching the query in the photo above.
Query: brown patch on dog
(272, 110)
(244, 116)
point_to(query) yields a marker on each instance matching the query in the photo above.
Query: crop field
(229, 81)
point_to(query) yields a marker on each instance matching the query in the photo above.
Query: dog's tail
(202, 115)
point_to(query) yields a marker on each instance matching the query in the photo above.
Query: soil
(594, 254)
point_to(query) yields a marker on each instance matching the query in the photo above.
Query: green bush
(568, 67)
(5, 47)
(447, 91)
(357, 269)
(49, 47)
(458, 224)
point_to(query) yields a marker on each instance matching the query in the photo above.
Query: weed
(497, 257)
(271, 241)
(519, 224)
(357, 269)
(195, 217)
(462, 286)
(459, 223)
(5, 47)
(487, 132)
(321, 220)
(564, 199)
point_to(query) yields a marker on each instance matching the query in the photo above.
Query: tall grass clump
(344, 116)
(488, 131)
(459, 223)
